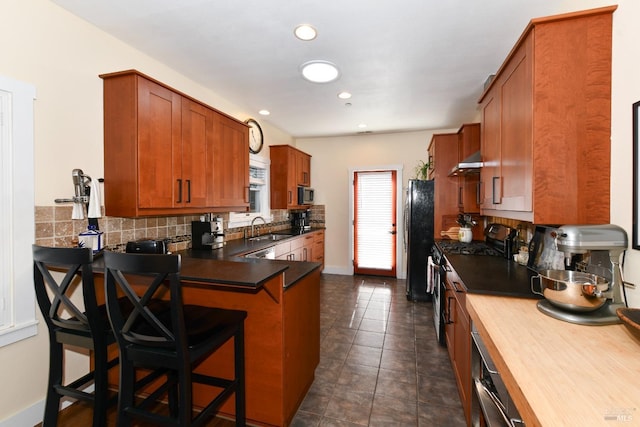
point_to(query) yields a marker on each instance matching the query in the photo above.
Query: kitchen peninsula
(282, 329)
(559, 373)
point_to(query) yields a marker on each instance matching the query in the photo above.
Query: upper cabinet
(443, 154)
(166, 153)
(546, 124)
(290, 168)
(469, 182)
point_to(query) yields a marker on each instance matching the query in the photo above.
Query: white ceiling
(410, 64)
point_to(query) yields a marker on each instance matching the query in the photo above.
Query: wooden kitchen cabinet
(166, 153)
(317, 254)
(458, 337)
(468, 183)
(290, 168)
(231, 164)
(307, 247)
(303, 168)
(443, 149)
(546, 123)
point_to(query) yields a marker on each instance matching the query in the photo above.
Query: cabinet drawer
(282, 248)
(297, 243)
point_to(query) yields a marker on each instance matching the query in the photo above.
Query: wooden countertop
(559, 373)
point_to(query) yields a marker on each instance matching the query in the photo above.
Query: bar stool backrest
(54, 297)
(146, 279)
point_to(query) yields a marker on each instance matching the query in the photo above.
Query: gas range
(498, 242)
(454, 247)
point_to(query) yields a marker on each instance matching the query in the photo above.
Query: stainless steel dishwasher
(268, 253)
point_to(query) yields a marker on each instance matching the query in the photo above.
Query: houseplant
(422, 170)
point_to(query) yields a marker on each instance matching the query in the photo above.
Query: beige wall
(331, 162)
(62, 57)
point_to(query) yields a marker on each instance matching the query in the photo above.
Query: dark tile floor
(380, 363)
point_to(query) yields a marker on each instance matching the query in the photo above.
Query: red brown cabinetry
(546, 123)
(443, 153)
(290, 168)
(166, 153)
(468, 183)
(458, 336)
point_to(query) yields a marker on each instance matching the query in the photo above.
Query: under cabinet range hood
(471, 164)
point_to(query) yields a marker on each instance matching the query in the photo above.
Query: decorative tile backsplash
(54, 227)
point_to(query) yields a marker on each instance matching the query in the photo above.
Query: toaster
(146, 246)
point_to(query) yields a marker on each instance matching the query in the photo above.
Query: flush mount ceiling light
(319, 71)
(305, 32)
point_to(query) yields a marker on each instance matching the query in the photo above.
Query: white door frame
(401, 272)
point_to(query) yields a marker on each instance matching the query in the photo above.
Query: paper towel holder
(82, 189)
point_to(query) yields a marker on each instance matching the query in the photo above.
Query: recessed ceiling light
(344, 95)
(305, 32)
(319, 71)
(264, 112)
(362, 125)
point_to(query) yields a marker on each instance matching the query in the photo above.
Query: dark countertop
(227, 266)
(493, 275)
(214, 267)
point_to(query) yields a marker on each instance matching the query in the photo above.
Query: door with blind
(375, 223)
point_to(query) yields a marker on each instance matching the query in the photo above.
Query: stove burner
(472, 248)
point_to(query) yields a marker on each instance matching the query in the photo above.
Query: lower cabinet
(307, 247)
(458, 338)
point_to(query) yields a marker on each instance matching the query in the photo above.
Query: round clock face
(256, 139)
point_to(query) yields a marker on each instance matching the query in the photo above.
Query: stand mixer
(600, 248)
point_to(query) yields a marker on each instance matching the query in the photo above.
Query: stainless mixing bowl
(572, 290)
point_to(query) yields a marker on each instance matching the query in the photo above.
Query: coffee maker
(208, 233)
(300, 220)
(594, 249)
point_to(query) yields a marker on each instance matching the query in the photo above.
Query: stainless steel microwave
(305, 195)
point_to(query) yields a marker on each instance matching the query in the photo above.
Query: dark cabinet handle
(179, 191)
(455, 286)
(188, 191)
(290, 197)
(460, 190)
(478, 199)
(494, 191)
(448, 319)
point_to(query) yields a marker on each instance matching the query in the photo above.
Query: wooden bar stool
(168, 336)
(68, 324)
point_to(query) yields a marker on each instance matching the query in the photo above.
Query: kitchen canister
(465, 234)
(91, 238)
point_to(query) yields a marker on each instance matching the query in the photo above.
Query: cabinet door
(446, 194)
(516, 132)
(490, 174)
(231, 164)
(197, 144)
(303, 169)
(462, 345)
(159, 146)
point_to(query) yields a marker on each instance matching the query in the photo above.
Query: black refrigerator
(418, 236)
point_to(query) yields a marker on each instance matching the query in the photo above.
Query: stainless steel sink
(271, 237)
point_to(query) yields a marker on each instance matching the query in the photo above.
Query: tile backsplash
(54, 227)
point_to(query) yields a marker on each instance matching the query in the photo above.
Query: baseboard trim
(29, 416)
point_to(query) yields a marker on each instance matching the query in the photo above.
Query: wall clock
(256, 138)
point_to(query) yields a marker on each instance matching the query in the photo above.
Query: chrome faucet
(253, 222)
